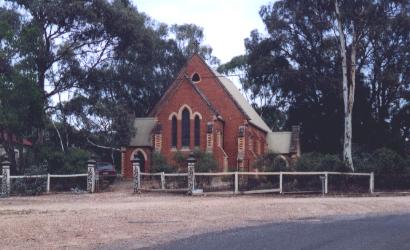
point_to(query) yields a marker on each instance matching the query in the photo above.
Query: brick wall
(217, 95)
(183, 94)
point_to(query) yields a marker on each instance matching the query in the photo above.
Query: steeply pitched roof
(243, 104)
(143, 127)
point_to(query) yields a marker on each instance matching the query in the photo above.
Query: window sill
(185, 149)
(173, 149)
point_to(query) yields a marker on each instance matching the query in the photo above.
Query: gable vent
(196, 78)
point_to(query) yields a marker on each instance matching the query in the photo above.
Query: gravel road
(120, 219)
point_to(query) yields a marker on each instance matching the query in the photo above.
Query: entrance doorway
(142, 163)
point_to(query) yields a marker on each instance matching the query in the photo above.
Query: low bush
(270, 162)
(72, 161)
(381, 161)
(159, 164)
(205, 162)
(320, 162)
(31, 186)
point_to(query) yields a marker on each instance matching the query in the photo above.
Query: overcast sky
(226, 23)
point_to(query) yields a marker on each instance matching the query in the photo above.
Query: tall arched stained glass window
(185, 135)
(174, 131)
(197, 131)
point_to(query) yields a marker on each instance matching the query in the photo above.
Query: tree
(143, 64)
(299, 65)
(61, 42)
(20, 102)
(189, 38)
(348, 85)
(95, 65)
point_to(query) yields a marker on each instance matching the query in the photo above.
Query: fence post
(281, 183)
(191, 173)
(48, 183)
(162, 180)
(371, 187)
(136, 173)
(91, 164)
(236, 183)
(326, 182)
(5, 181)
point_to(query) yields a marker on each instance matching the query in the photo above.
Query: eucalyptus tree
(299, 62)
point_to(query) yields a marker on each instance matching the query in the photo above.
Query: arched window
(174, 131)
(197, 131)
(185, 135)
(196, 78)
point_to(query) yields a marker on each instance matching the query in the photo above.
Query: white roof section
(255, 119)
(279, 142)
(143, 127)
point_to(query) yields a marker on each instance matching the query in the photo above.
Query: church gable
(223, 93)
(185, 102)
(184, 94)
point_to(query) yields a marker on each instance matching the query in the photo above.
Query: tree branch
(103, 147)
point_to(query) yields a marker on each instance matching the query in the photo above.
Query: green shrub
(72, 161)
(381, 161)
(180, 162)
(31, 186)
(159, 164)
(205, 162)
(270, 162)
(320, 162)
(407, 165)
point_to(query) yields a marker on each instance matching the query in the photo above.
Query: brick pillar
(209, 137)
(158, 137)
(191, 173)
(91, 167)
(241, 146)
(5, 181)
(242, 181)
(136, 163)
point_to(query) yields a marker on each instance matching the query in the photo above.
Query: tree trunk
(348, 90)
(58, 134)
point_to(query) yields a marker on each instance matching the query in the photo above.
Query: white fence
(238, 182)
(160, 184)
(48, 178)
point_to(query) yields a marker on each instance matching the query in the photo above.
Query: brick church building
(203, 110)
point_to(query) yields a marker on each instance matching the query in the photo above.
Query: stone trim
(136, 151)
(172, 115)
(179, 116)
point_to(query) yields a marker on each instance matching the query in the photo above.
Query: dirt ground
(120, 219)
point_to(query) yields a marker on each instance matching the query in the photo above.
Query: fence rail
(48, 178)
(250, 182)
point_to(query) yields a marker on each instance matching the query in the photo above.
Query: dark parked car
(106, 171)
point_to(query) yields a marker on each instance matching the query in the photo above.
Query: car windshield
(104, 166)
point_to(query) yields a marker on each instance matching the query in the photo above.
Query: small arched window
(174, 130)
(185, 135)
(196, 78)
(197, 131)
